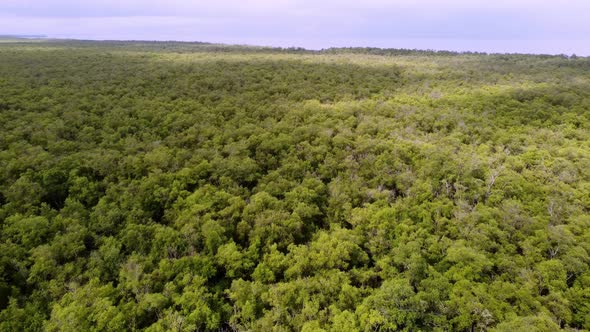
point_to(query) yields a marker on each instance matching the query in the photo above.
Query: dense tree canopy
(183, 187)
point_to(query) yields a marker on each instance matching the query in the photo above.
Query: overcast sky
(529, 26)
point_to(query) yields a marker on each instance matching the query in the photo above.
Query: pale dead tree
(556, 210)
(491, 181)
(177, 322)
(449, 190)
(553, 251)
(495, 173)
(551, 209)
(560, 240)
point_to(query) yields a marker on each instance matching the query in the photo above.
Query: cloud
(110, 8)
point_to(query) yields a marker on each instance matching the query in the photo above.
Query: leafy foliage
(175, 186)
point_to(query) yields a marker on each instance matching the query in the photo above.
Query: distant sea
(23, 36)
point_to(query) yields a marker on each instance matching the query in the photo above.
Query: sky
(505, 26)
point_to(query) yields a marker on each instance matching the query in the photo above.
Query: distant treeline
(195, 46)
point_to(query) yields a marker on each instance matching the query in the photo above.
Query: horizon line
(44, 37)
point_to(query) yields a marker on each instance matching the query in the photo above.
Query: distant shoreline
(24, 36)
